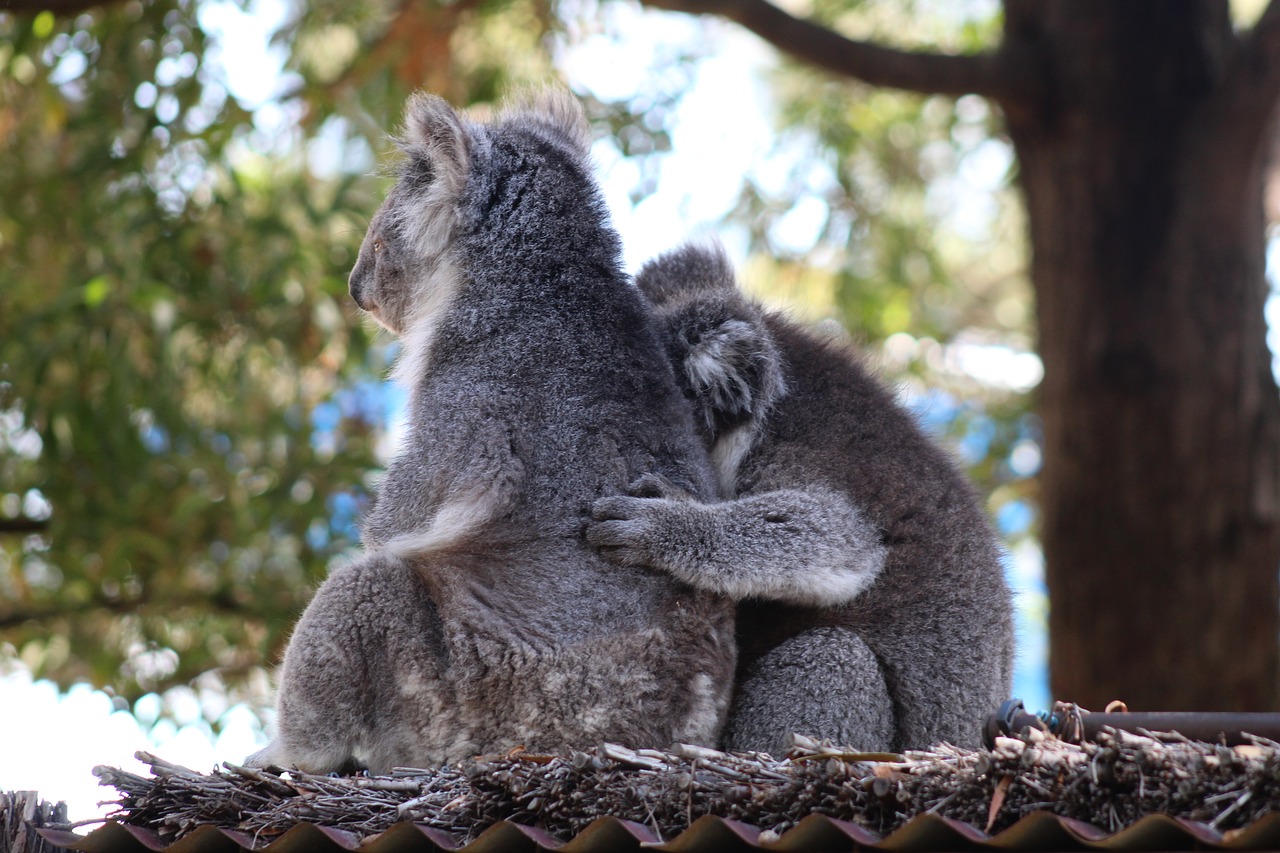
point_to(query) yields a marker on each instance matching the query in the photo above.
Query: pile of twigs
(175, 800)
(1111, 783)
(21, 814)
(1121, 777)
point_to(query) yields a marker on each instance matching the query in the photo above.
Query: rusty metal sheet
(1037, 832)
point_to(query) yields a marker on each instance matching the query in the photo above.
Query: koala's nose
(356, 284)
(358, 295)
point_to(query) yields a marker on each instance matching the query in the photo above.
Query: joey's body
(478, 618)
(873, 606)
(936, 619)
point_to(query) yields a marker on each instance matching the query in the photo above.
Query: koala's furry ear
(435, 138)
(553, 108)
(694, 269)
(732, 365)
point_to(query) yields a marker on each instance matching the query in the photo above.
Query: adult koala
(874, 610)
(478, 618)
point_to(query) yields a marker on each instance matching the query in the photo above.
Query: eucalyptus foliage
(190, 409)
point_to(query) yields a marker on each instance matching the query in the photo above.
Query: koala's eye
(378, 245)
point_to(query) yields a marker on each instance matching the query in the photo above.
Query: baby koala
(478, 618)
(874, 610)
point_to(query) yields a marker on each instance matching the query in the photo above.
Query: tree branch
(63, 8)
(986, 74)
(1261, 50)
(22, 524)
(14, 618)
(1268, 21)
(206, 603)
(1249, 93)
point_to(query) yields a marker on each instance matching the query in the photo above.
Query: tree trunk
(1142, 130)
(1143, 177)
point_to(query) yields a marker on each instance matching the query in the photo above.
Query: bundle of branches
(1111, 782)
(175, 801)
(21, 814)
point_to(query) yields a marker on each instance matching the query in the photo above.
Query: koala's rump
(640, 665)
(433, 660)
(365, 674)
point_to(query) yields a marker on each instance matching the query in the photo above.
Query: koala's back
(548, 388)
(578, 404)
(938, 617)
(536, 385)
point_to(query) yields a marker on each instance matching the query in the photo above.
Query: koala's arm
(803, 546)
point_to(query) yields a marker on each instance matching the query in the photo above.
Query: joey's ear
(555, 108)
(435, 134)
(730, 362)
(694, 269)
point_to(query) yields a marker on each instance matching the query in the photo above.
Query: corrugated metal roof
(709, 834)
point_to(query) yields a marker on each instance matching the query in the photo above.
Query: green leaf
(96, 290)
(42, 25)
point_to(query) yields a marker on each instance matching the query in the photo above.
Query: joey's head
(695, 270)
(404, 273)
(719, 342)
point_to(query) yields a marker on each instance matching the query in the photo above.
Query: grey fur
(874, 609)
(478, 618)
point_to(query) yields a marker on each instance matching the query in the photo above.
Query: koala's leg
(802, 546)
(946, 669)
(316, 704)
(369, 632)
(824, 683)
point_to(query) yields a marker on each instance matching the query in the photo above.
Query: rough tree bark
(1143, 174)
(1143, 131)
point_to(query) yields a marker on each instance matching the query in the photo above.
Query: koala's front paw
(625, 529)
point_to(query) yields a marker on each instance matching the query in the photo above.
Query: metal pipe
(1228, 728)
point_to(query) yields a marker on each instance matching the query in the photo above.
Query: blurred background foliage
(191, 411)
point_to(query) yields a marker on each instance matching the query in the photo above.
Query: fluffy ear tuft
(732, 365)
(555, 108)
(435, 134)
(694, 269)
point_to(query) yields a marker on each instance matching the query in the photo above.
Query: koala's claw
(611, 540)
(619, 530)
(657, 486)
(607, 534)
(615, 508)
